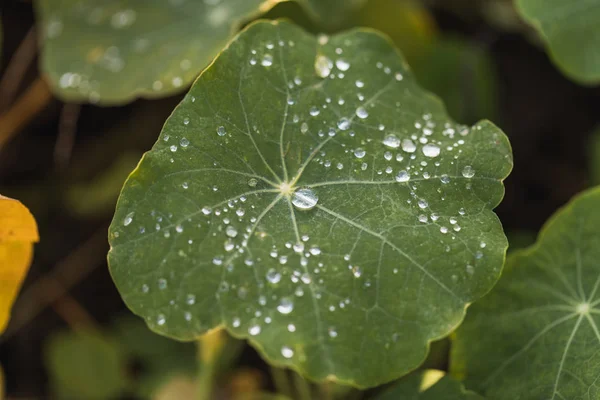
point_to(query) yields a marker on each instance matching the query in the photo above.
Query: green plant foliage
(571, 29)
(462, 75)
(85, 365)
(114, 51)
(96, 197)
(160, 357)
(408, 23)
(308, 195)
(117, 50)
(456, 69)
(536, 335)
(333, 12)
(594, 158)
(428, 385)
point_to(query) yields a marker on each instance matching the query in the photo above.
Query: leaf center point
(583, 308)
(286, 189)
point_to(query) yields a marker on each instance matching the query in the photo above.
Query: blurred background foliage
(70, 336)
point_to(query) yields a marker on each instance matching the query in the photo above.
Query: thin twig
(74, 314)
(67, 129)
(16, 69)
(70, 271)
(34, 100)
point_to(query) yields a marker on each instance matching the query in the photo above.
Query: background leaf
(535, 336)
(18, 232)
(114, 51)
(85, 365)
(161, 359)
(308, 195)
(593, 147)
(571, 29)
(410, 24)
(428, 385)
(463, 76)
(333, 12)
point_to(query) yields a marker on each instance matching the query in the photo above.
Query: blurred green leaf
(594, 158)
(159, 358)
(408, 23)
(333, 12)
(99, 196)
(428, 385)
(535, 336)
(85, 365)
(571, 29)
(520, 239)
(114, 51)
(463, 75)
(311, 197)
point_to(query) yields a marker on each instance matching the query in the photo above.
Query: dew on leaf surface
(305, 199)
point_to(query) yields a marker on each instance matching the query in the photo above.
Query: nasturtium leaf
(571, 30)
(428, 385)
(114, 51)
(309, 196)
(18, 232)
(535, 336)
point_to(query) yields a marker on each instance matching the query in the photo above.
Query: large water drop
(304, 199)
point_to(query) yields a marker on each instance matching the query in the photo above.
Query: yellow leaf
(18, 232)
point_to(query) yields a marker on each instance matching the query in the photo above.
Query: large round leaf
(308, 195)
(536, 335)
(571, 29)
(112, 51)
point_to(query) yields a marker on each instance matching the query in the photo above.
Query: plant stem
(302, 387)
(326, 391)
(281, 381)
(210, 347)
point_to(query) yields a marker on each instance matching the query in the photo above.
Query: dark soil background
(548, 119)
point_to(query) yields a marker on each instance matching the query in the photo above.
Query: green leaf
(85, 365)
(333, 12)
(536, 335)
(571, 29)
(117, 50)
(291, 199)
(463, 75)
(410, 24)
(428, 385)
(593, 148)
(159, 357)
